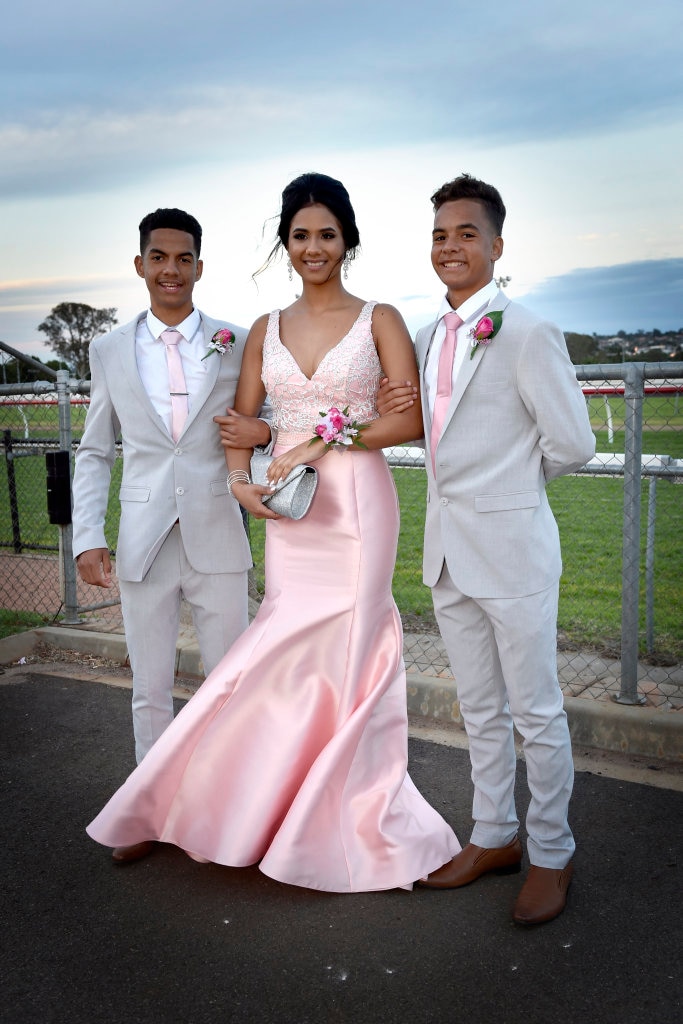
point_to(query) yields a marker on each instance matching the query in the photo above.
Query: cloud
(270, 77)
(34, 293)
(25, 303)
(604, 300)
(81, 149)
(574, 112)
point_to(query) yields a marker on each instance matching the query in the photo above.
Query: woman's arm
(397, 356)
(238, 431)
(248, 401)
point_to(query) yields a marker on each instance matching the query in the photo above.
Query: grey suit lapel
(213, 365)
(471, 362)
(423, 350)
(130, 368)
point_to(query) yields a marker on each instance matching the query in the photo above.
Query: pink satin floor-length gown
(293, 752)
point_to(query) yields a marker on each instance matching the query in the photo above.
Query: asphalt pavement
(170, 941)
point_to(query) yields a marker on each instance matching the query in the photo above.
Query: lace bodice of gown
(349, 374)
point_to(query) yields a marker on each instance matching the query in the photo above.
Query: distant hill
(638, 346)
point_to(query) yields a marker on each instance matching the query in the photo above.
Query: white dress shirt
(150, 353)
(469, 312)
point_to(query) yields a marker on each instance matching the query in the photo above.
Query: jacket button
(443, 501)
(180, 490)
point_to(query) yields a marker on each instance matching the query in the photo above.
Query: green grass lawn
(589, 513)
(12, 622)
(31, 488)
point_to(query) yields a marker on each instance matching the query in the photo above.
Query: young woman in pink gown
(293, 753)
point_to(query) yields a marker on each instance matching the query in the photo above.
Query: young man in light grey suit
(512, 418)
(181, 533)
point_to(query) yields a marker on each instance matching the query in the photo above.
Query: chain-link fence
(620, 621)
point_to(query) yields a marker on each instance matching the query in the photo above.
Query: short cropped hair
(178, 220)
(467, 187)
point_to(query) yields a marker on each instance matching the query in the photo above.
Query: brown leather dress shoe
(543, 896)
(473, 862)
(127, 854)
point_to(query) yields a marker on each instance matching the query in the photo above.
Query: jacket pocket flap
(219, 486)
(128, 493)
(506, 502)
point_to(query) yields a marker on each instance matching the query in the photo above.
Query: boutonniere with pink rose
(221, 343)
(338, 430)
(485, 330)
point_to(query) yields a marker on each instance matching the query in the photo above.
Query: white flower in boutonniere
(338, 430)
(221, 343)
(485, 330)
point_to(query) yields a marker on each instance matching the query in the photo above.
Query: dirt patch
(44, 653)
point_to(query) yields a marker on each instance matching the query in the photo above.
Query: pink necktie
(176, 381)
(444, 380)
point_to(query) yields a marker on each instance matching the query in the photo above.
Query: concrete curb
(103, 645)
(639, 730)
(620, 728)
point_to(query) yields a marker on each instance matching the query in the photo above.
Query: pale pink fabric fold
(293, 753)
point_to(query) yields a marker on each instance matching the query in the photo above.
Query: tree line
(640, 346)
(69, 328)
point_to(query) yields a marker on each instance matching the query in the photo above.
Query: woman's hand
(249, 496)
(305, 452)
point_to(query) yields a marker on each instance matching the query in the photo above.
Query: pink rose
(337, 429)
(484, 329)
(221, 342)
(336, 419)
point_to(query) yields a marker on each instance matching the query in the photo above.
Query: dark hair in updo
(308, 190)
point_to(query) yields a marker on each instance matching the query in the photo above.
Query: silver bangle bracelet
(237, 476)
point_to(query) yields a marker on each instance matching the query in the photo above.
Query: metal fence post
(650, 565)
(68, 567)
(634, 376)
(12, 491)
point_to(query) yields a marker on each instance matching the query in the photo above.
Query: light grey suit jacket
(162, 480)
(517, 418)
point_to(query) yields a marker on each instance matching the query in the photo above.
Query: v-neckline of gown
(329, 351)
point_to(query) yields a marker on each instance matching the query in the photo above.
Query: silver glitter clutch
(293, 496)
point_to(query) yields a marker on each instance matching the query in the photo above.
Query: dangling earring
(346, 265)
(289, 268)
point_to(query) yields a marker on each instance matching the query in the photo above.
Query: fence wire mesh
(620, 625)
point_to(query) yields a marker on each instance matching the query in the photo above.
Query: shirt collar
(468, 309)
(187, 328)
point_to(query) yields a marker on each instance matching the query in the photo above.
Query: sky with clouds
(574, 111)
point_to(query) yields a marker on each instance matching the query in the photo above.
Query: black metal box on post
(58, 487)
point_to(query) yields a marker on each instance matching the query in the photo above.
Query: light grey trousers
(151, 617)
(503, 653)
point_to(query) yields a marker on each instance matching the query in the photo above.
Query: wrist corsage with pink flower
(336, 428)
(222, 342)
(485, 330)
